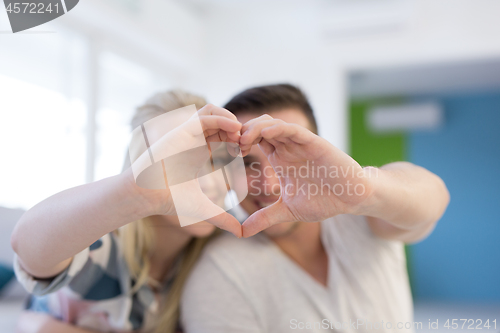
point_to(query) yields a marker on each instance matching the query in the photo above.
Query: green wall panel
(370, 148)
(373, 149)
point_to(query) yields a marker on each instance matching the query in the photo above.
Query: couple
(110, 256)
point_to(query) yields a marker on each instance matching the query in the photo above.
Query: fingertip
(239, 233)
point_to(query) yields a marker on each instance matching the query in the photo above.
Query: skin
(401, 201)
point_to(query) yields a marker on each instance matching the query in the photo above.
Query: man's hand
(317, 180)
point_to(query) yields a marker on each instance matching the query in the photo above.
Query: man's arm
(406, 202)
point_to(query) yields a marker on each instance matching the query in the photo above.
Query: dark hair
(266, 99)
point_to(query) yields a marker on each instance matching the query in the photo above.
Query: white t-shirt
(250, 285)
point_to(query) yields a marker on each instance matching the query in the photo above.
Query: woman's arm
(52, 232)
(34, 322)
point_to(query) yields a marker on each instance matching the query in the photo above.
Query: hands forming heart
(333, 183)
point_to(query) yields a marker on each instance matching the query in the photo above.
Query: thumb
(267, 217)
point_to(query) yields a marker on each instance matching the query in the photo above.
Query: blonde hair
(137, 239)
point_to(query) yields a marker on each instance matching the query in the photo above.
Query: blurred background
(389, 80)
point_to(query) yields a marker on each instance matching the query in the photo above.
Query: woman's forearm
(52, 232)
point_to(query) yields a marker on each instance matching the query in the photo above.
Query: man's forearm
(405, 196)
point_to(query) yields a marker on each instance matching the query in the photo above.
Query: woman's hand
(169, 170)
(48, 235)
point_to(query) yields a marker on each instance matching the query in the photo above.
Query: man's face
(263, 184)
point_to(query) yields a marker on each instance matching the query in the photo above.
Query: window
(43, 116)
(124, 86)
(44, 107)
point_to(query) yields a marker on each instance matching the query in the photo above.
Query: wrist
(138, 199)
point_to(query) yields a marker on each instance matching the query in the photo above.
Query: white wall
(316, 44)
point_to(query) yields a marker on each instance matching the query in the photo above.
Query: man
(331, 254)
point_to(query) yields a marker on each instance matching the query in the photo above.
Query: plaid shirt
(94, 291)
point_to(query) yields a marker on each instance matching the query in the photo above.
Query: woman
(110, 255)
